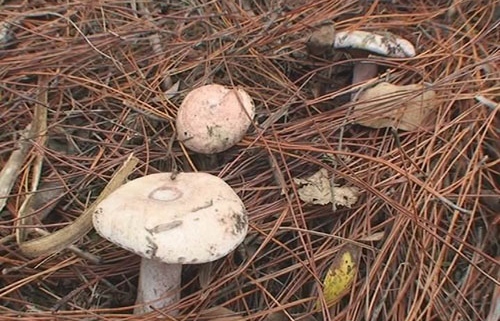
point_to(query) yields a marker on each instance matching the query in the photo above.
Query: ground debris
(318, 189)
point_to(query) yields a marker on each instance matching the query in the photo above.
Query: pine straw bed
(102, 69)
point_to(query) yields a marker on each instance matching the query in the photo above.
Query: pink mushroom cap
(213, 118)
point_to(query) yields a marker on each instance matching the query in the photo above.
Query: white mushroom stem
(159, 286)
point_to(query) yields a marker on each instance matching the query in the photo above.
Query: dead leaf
(172, 91)
(340, 275)
(388, 105)
(317, 189)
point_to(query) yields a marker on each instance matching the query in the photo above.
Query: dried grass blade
(39, 130)
(64, 237)
(39, 133)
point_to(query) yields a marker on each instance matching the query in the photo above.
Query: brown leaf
(388, 105)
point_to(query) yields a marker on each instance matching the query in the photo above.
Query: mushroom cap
(189, 218)
(213, 118)
(386, 44)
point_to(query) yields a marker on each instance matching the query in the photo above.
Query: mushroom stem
(361, 73)
(159, 286)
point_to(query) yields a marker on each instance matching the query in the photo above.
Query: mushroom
(361, 43)
(170, 220)
(388, 105)
(213, 118)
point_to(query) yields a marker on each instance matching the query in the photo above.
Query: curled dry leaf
(388, 105)
(340, 275)
(173, 90)
(318, 189)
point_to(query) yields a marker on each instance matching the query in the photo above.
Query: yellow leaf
(340, 275)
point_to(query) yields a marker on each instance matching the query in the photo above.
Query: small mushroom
(213, 118)
(362, 43)
(388, 105)
(171, 220)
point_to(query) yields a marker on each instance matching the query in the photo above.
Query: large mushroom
(170, 220)
(213, 118)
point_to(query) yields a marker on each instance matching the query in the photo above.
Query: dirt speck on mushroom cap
(196, 217)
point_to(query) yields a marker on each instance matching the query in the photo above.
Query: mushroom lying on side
(213, 118)
(362, 43)
(169, 220)
(388, 105)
